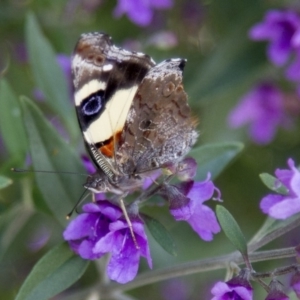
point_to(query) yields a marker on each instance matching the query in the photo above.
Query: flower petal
(219, 289)
(138, 12)
(111, 242)
(285, 208)
(295, 182)
(201, 191)
(123, 266)
(269, 201)
(85, 250)
(262, 131)
(204, 222)
(82, 226)
(243, 293)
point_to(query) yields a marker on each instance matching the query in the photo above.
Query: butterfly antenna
(80, 200)
(17, 170)
(122, 205)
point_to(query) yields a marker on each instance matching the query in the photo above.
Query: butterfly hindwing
(159, 128)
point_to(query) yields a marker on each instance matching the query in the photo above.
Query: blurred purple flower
(101, 230)
(164, 40)
(262, 108)
(185, 170)
(39, 238)
(186, 204)
(20, 52)
(88, 164)
(176, 289)
(282, 30)
(232, 290)
(149, 180)
(64, 62)
(284, 206)
(188, 169)
(140, 11)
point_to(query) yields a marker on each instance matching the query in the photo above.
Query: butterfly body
(133, 113)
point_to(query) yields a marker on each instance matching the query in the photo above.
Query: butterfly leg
(122, 205)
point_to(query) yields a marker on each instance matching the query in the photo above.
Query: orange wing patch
(108, 147)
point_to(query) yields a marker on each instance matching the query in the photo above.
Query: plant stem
(273, 235)
(204, 265)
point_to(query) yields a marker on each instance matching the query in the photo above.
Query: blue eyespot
(92, 105)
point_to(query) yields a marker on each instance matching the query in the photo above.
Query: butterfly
(133, 113)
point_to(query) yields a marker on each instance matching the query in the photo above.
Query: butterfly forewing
(105, 79)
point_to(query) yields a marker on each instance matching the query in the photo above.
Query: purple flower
(176, 289)
(89, 227)
(99, 230)
(185, 170)
(64, 62)
(164, 40)
(89, 166)
(261, 108)
(39, 238)
(232, 290)
(140, 11)
(148, 181)
(282, 30)
(125, 257)
(284, 206)
(186, 204)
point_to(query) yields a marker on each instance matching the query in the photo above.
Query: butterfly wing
(105, 79)
(159, 127)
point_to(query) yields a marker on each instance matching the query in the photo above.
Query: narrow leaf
(4, 182)
(12, 222)
(53, 273)
(214, 158)
(49, 152)
(231, 229)
(273, 184)
(11, 127)
(160, 234)
(48, 75)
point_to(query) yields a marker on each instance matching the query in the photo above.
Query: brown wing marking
(159, 128)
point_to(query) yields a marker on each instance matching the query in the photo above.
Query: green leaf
(4, 182)
(231, 229)
(273, 184)
(53, 273)
(48, 75)
(49, 152)
(11, 127)
(214, 158)
(12, 221)
(160, 234)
